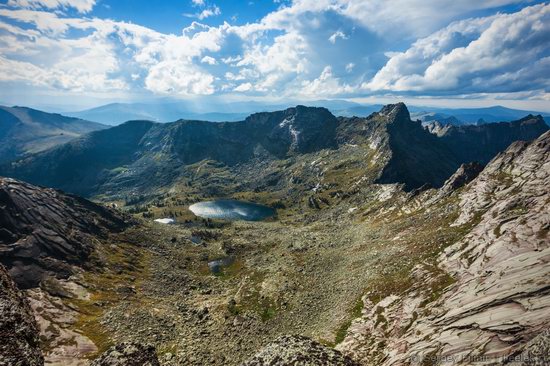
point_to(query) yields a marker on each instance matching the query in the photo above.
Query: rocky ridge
(482, 142)
(497, 298)
(142, 157)
(43, 231)
(25, 131)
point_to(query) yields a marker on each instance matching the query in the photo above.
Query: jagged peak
(530, 117)
(396, 111)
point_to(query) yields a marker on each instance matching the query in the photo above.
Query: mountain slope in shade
(24, 131)
(146, 153)
(416, 157)
(481, 143)
(143, 156)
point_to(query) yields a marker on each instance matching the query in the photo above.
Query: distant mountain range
(454, 116)
(25, 130)
(146, 156)
(168, 111)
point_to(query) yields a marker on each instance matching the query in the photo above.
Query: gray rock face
(45, 231)
(297, 350)
(535, 353)
(497, 289)
(417, 157)
(464, 175)
(128, 354)
(19, 333)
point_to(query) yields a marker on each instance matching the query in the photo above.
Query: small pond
(232, 210)
(217, 265)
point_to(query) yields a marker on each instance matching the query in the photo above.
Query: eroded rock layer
(45, 231)
(19, 334)
(498, 277)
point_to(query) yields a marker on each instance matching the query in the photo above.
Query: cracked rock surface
(19, 343)
(499, 296)
(291, 350)
(128, 354)
(43, 231)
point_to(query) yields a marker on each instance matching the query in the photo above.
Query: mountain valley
(393, 243)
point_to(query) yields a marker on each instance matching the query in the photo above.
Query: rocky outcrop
(437, 128)
(43, 231)
(429, 155)
(417, 157)
(464, 175)
(19, 335)
(298, 350)
(491, 295)
(128, 354)
(535, 353)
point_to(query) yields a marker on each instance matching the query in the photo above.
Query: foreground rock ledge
(291, 350)
(19, 342)
(128, 354)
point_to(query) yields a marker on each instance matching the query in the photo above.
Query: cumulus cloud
(209, 60)
(209, 12)
(83, 6)
(173, 78)
(205, 13)
(297, 50)
(326, 85)
(244, 87)
(504, 52)
(338, 34)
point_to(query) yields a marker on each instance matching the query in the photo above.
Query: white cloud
(338, 34)
(412, 18)
(243, 87)
(209, 12)
(173, 78)
(286, 53)
(83, 6)
(205, 13)
(500, 53)
(209, 60)
(325, 85)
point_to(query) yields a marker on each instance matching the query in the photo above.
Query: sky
(75, 54)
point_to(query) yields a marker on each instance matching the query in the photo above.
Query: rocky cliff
(482, 142)
(498, 294)
(20, 344)
(43, 231)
